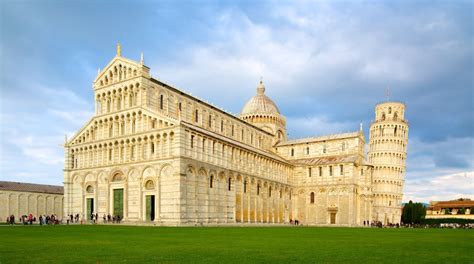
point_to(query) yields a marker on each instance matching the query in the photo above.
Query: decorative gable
(120, 69)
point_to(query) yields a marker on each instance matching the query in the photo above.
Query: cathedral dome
(260, 104)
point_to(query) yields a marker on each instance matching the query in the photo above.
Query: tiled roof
(326, 160)
(30, 187)
(321, 138)
(460, 203)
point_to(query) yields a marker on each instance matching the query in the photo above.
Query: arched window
(270, 191)
(229, 184)
(320, 171)
(90, 189)
(210, 121)
(222, 125)
(292, 152)
(307, 150)
(309, 172)
(324, 148)
(341, 170)
(383, 116)
(192, 141)
(211, 179)
(330, 170)
(152, 148)
(196, 115)
(395, 131)
(311, 198)
(161, 101)
(258, 189)
(245, 186)
(395, 116)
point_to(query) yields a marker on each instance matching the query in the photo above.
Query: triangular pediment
(120, 69)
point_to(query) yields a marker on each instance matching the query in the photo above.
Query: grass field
(106, 244)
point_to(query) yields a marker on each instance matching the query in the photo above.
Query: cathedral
(152, 153)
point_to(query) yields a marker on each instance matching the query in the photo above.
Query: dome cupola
(260, 103)
(262, 112)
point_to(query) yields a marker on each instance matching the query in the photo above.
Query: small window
(242, 134)
(222, 125)
(270, 191)
(258, 189)
(229, 186)
(213, 147)
(152, 148)
(210, 121)
(292, 152)
(161, 101)
(389, 110)
(320, 171)
(232, 130)
(245, 186)
(311, 198)
(211, 179)
(324, 148)
(192, 141)
(196, 116)
(343, 146)
(330, 170)
(341, 170)
(307, 150)
(309, 172)
(179, 106)
(204, 145)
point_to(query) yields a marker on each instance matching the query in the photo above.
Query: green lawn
(107, 244)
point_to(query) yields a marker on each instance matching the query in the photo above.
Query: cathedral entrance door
(150, 207)
(118, 203)
(90, 207)
(333, 218)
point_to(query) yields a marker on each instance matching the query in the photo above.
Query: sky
(326, 64)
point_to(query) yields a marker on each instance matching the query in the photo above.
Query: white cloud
(440, 187)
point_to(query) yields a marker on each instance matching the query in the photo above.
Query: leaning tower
(388, 153)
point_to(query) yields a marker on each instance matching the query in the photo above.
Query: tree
(413, 213)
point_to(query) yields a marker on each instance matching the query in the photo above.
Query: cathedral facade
(155, 154)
